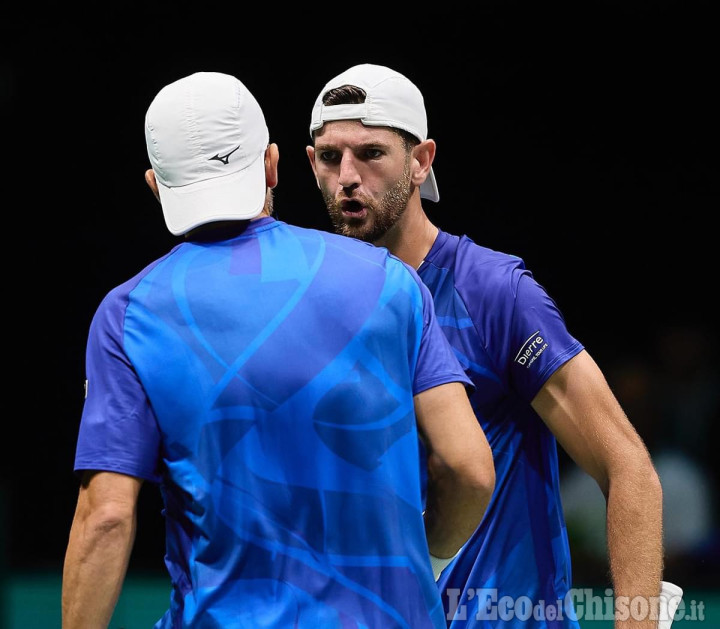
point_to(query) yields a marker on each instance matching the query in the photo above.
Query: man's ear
(310, 150)
(272, 156)
(424, 154)
(150, 180)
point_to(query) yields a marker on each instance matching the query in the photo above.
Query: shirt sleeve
(539, 341)
(118, 430)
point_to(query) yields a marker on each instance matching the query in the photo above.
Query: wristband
(670, 597)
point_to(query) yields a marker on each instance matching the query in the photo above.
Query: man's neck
(221, 230)
(411, 237)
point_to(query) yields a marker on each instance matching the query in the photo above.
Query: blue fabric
(267, 382)
(510, 337)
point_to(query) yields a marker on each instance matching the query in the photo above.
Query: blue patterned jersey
(510, 337)
(266, 382)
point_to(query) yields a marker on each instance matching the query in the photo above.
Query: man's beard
(380, 218)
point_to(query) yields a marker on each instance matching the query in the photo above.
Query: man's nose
(349, 175)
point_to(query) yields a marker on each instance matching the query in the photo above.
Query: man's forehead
(355, 132)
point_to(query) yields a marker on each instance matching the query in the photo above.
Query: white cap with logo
(392, 100)
(206, 138)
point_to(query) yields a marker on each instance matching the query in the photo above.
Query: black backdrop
(580, 136)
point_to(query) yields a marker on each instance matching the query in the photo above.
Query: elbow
(477, 482)
(637, 472)
(648, 485)
(111, 521)
(646, 473)
(482, 480)
(471, 477)
(485, 485)
(652, 480)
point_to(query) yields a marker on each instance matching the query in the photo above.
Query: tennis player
(536, 385)
(274, 382)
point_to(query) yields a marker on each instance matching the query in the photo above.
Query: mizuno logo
(224, 158)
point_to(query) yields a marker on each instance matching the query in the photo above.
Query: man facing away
(274, 381)
(535, 384)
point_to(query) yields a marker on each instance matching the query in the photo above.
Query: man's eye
(328, 156)
(373, 153)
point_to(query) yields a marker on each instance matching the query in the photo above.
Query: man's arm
(580, 409)
(98, 551)
(461, 473)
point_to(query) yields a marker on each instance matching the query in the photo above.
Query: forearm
(95, 565)
(635, 547)
(453, 511)
(461, 472)
(580, 409)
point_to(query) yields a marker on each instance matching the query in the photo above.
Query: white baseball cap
(392, 100)
(206, 138)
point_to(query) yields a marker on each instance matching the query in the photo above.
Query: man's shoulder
(468, 248)
(119, 294)
(478, 264)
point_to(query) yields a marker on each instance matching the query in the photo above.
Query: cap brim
(429, 189)
(239, 196)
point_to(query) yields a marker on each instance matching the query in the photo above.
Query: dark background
(581, 137)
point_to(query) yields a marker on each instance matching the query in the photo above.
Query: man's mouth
(353, 209)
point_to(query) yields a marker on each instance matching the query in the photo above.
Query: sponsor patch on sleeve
(531, 349)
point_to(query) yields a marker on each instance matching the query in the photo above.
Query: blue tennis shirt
(266, 382)
(510, 337)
